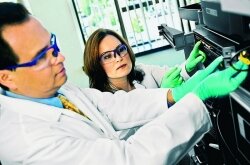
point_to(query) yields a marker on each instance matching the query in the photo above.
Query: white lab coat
(38, 134)
(153, 75)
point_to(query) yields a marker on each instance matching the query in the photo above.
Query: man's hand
(191, 83)
(221, 83)
(172, 78)
(195, 57)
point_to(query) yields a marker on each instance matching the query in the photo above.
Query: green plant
(137, 26)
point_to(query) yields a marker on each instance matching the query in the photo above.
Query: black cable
(222, 138)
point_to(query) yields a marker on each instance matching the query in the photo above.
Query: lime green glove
(195, 57)
(221, 83)
(191, 83)
(172, 78)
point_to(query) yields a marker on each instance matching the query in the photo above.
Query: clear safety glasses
(110, 56)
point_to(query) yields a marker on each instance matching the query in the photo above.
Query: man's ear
(6, 79)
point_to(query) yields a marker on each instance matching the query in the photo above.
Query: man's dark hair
(10, 14)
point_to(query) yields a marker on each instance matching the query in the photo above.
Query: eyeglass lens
(54, 45)
(122, 50)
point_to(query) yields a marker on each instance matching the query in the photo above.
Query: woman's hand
(172, 78)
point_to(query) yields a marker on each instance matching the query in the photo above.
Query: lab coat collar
(138, 85)
(34, 109)
(30, 108)
(51, 113)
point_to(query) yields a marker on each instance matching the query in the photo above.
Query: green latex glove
(195, 57)
(172, 78)
(191, 83)
(221, 83)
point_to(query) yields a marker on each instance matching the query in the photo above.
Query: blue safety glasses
(40, 55)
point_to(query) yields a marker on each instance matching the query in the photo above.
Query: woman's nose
(118, 58)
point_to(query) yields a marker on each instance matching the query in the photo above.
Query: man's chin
(64, 81)
(60, 83)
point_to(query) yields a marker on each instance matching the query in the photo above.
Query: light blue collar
(53, 101)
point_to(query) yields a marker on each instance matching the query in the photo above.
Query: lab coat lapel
(84, 104)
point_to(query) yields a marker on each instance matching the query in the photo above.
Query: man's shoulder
(70, 87)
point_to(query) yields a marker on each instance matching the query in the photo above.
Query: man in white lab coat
(35, 128)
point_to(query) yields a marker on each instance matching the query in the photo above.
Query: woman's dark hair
(97, 76)
(10, 14)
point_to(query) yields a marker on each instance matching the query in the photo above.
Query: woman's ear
(6, 79)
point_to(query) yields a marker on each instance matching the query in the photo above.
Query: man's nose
(58, 59)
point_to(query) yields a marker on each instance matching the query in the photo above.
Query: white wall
(59, 17)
